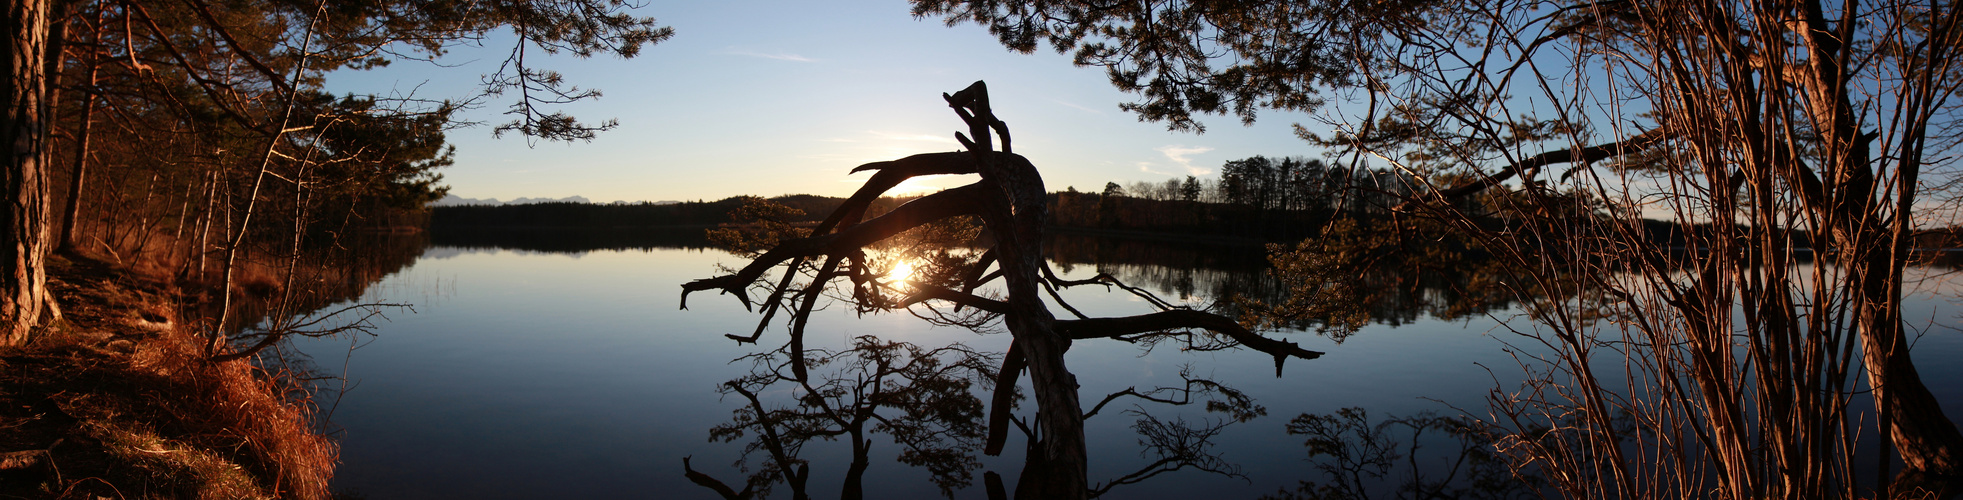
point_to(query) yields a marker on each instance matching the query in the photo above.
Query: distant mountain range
(454, 200)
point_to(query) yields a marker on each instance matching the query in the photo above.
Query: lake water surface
(573, 374)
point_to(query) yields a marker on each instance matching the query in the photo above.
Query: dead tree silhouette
(1009, 200)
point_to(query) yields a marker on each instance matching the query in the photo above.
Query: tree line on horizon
(1255, 199)
(645, 214)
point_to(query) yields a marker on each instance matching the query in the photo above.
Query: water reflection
(1394, 294)
(310, 293)
(569, 239)
(328, 276)
(923, 399)
(1419, 457)
(1190, 271)
(576, 373)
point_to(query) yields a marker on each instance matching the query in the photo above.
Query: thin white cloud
(1182, 155)
(784, 56)
(1146, 166)
(1069, 104)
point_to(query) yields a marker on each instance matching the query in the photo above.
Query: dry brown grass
(140, 411)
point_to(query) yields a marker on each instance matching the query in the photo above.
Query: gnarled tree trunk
(1011, 203)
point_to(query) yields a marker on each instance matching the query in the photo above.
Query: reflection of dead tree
(923, 399)
(1010, 202)
(929, 411)
(1178, 444)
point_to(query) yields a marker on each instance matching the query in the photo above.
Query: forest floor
(117, 400)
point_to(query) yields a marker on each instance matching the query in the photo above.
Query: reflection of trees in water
(921, 398)
(1196, 273)
(316, 294)
(1078, 249)
(1204, 275)
(569, 239)
(1949, 259)
(927, 402)
(1400, 291)
(285, 286)
(1395, 458)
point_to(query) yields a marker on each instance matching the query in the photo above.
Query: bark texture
(24, 241)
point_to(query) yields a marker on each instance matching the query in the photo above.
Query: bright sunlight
(902, 271)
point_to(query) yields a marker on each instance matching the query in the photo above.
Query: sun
(902, 271)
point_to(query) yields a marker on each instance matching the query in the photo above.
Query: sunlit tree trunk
(72, 209)
(1873, 244)
(1925, 437)
(24, 241)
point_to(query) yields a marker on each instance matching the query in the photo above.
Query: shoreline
(116, 400)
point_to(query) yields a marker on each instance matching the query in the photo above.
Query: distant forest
(1257, 199)
(624, 215)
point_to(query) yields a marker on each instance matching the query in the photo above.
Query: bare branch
(927, 209)
(1183, 318)
(923, 293)
(1005, 396)
(712, 483)
(1533, 164)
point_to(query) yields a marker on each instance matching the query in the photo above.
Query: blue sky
(785, 97)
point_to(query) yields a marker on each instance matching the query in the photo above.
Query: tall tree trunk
(1854, 194)
(1927, 440)
(1058, 464)
(24, 241)
(72, 212)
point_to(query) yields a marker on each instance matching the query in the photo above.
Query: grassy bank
(116, 400)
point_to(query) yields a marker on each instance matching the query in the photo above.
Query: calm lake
(557, 366)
